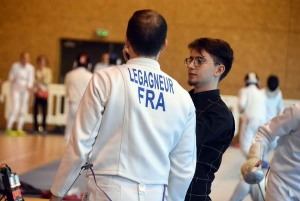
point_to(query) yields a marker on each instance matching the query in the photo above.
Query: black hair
(146, 32)
(219, 50)
(82, 60)
(273, 82)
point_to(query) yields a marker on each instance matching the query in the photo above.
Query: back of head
(82, 60)
(146, 32)
(273, 82)
(218, 49)
(251, 78)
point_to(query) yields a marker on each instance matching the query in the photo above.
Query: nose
(191, 65)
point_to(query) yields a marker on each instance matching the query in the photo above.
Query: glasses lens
(198, 61)
(186, 62)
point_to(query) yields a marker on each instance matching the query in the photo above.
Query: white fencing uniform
(21, 78)
(284, 176)
(100, 66)
(253, 102)
(139, 124)
(274, 103)
(274, 107)
(76, 82)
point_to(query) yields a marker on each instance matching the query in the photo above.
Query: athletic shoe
(22, 133)
(11, 132)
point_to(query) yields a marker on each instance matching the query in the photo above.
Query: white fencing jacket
(75, 83)
(141, 125)
(253, 102)
(286, 160)
(274, 103)
(23, 76)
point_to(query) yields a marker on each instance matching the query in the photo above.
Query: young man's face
(203, 75)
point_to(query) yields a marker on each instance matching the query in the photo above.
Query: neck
(134, 55)
(209, 87)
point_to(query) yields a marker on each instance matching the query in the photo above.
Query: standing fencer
(252, 106)
(274, 107)
(21, 77)
(130, 128)
(274, 102)
(274, 97)
(284, 174)
(76, 82)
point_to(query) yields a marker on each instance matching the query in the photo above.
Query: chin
(191, 83)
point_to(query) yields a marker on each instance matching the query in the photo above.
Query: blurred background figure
(104, 63)
(274, 103)
(252, 106)
(43, 77)
(76, 82)
(21, 76)
(274, 97)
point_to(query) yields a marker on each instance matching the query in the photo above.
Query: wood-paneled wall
(264, 34)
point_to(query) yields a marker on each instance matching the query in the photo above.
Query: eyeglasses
(197, 62)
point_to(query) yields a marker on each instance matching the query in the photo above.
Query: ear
(164, 45)
(127, 43)
(220, 70)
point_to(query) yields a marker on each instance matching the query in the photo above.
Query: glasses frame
(187, 63)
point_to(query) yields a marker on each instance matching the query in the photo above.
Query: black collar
(201, 97)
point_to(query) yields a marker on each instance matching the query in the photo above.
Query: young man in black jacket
(209, 62)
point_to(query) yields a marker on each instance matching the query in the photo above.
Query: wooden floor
(23, 154)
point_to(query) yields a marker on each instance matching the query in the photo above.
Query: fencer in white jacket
(21, 77)
(135, 124)
(76, 82)
(252, 104)
(284, 176)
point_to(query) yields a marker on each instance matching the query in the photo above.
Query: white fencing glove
(250, 171)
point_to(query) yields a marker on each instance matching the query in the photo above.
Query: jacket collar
(144, 62)
(203, 96)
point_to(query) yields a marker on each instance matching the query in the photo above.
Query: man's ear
(164, 45)
(127, 44)
(220, 70)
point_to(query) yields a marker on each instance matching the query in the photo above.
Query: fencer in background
(284, 174)
(21, 77)
(274, 97)
(252, 105)
(43, 77)
(76, 82)
(104, 62)
(274, 102)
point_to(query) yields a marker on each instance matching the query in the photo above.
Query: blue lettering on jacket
(149, 83)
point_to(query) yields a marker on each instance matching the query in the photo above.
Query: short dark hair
(82, 60)
(146, 32)
(219, 50)
(273, 82)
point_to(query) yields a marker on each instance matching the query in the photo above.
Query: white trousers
(121, 189)
(277, 190)
(19, 105)
(248, 130)
(73, 107)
